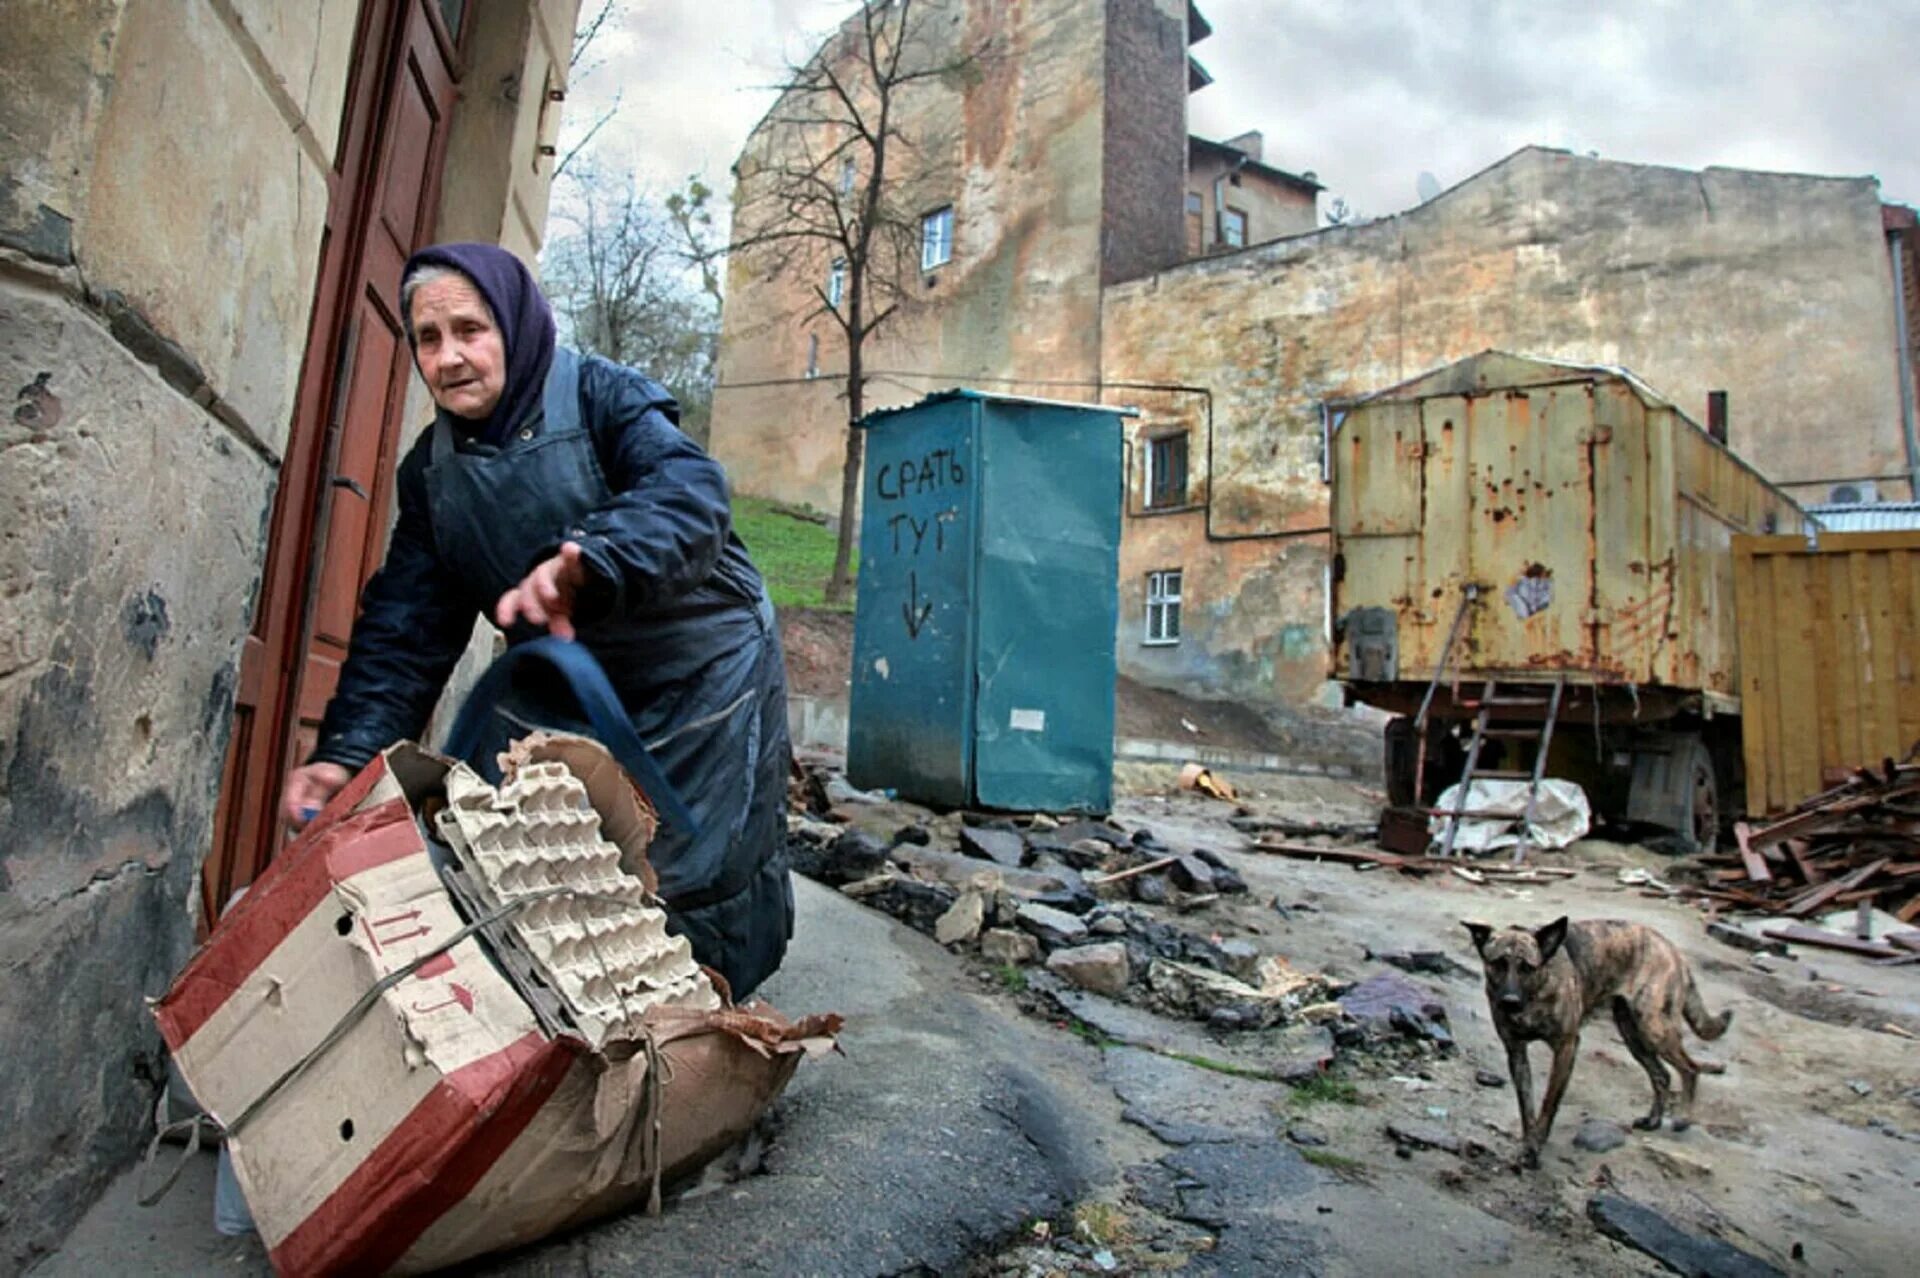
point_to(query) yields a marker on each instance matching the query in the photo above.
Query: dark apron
(706, 692)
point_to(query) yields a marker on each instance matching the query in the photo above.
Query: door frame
(247, 831)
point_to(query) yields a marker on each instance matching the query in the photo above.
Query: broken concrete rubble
(1205, 993)
(1005, 945)
(1415, 1135)
(1102, 968)
(914, 902)
(1002, 847)
(1644, 1229)
(961, 922)
(1052, 927)
(846, 857)
(1388, 1004)
(1191, 874)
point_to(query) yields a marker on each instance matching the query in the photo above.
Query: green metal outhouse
(983, 655)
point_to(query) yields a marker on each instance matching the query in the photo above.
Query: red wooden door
(331, 512)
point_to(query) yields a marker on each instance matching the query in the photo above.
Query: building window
(848, 170)
(1233, 228)
(836, 282)
(1165, 483)
(1194, 203)
(936, 238)
(1163, 606)
(813, 354)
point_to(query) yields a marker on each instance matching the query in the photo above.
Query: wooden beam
(1800, 934)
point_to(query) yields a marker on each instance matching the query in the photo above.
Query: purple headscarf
(526, 328)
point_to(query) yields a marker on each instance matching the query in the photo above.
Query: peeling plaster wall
(1018, 153)
(1776, 288)
(155, 288)
(162, 195)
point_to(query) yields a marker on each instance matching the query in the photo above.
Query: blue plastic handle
(598, 702)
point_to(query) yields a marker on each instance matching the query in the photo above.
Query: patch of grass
(1325, 1089)
(1081, 1029)
(1221, 1067)
(1012, 977)
(795, 555)
(1338, 1164)
(1100, 1224)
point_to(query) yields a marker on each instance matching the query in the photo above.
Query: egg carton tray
(603, 950)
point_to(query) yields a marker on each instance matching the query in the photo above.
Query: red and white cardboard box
(440, 1122)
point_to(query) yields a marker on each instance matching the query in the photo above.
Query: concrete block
(1102, 968)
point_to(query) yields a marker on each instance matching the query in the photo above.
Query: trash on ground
(1196, 777)
(1496, 809)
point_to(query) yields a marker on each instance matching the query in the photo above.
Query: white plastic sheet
(1560, 815)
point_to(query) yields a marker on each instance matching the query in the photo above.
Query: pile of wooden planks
(1857, 844)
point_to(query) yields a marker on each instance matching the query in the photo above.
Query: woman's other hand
(307, 790)
(546, 596)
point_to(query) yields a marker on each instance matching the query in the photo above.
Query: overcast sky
(1368, 94)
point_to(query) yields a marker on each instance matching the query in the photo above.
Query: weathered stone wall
(1018, 151)
(162, 192)
(1776, 288)
(151, 351)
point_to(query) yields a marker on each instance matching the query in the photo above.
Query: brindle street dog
(1544, 983)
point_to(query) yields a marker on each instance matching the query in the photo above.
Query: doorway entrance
(331, 511)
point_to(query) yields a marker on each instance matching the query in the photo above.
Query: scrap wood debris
(1371, 858)
(1858, 842)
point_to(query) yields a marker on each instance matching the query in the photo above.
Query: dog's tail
(1704, 1024)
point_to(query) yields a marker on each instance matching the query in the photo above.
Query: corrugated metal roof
(1885, 516)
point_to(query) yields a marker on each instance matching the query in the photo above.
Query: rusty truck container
(1591, 518)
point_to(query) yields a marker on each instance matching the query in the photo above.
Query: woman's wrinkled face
(458, 347)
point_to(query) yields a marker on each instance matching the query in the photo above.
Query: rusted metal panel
(1829, 641)
(1596, 518)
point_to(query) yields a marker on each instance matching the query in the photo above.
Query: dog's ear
(1549, 938)
(1481, 934)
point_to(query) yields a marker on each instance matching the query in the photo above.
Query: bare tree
(579, 67)
(833, 181)
(620, 285)
(1340, 213)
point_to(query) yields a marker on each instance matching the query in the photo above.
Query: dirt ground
(1805, 1152)
(819, 650)
(1782, 1160)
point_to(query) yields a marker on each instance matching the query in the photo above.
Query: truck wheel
(1703, 808)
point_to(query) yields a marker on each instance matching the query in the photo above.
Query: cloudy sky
(1368, 94)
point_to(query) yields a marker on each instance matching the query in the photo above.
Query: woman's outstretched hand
(307, 790)
(545, 597)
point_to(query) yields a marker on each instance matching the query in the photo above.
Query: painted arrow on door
(912, 610)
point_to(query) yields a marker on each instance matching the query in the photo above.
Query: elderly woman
(555, 491)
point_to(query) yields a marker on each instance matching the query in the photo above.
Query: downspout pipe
(1896, 241)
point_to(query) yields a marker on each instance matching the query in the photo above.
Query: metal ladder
(1541, 734)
